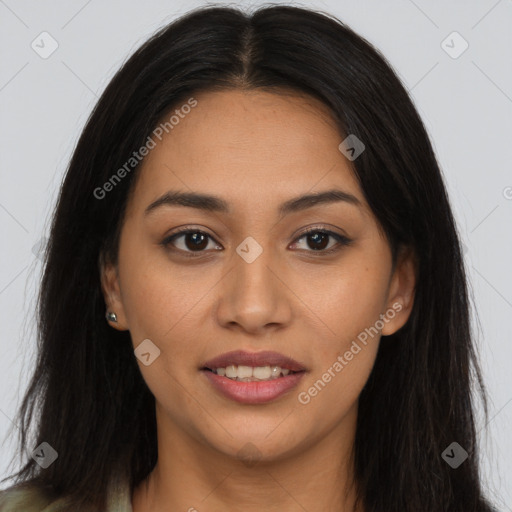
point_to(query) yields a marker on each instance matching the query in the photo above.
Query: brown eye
(189, 240)
(317, 240)
(196, 241)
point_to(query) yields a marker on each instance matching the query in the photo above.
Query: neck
(193, 476)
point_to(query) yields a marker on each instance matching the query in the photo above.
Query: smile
(244, 373)
(252, 377)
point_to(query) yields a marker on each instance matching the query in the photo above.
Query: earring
(111, 316)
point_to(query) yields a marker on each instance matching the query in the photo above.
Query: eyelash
(343, 241)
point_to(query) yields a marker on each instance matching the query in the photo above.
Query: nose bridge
(252, 296)
(252, 270)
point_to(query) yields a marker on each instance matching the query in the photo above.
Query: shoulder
(28, 498)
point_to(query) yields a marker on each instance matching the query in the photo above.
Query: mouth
(243, 373)
(231, 361)
(253, 378)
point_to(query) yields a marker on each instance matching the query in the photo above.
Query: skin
(255, 150)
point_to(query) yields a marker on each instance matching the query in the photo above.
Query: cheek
(345, 354)
(158, 296)
(333, 391)
(162, 304)
(348, 303)
(167, 305)
(346, 299)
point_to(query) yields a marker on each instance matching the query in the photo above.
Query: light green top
(30, 500)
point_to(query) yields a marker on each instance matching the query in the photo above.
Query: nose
(254, 297)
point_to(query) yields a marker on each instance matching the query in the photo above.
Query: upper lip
(265, 358)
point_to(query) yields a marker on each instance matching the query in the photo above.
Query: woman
(254, 295)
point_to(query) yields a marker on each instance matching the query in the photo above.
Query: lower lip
(253, 392)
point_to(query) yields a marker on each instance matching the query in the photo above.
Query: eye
(318, 240)
(189, 241)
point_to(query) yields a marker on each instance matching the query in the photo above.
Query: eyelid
(320, 228)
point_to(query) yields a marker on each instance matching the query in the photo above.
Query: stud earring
(111, 316)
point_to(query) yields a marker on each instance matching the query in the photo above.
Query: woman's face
(250, 279)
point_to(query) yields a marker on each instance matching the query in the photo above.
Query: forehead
(255, 147)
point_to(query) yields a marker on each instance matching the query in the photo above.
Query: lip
(265, 358)
(253, 392)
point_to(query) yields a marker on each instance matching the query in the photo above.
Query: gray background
(465, 102)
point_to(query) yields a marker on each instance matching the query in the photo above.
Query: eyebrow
(210, 203)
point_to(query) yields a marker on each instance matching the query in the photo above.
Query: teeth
(262, 372)
(249, 373)
(244, 372)
(231, 371)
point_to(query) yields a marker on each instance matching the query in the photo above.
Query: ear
(401, 291)
(112, 294)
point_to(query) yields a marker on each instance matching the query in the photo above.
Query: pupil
(199, 240)
(319, 237)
